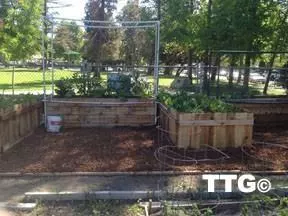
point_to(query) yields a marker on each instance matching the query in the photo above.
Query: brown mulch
(129, 149)
(87, 149)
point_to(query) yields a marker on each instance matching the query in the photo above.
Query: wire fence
(220, 82)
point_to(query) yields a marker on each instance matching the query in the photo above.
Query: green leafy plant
(8, 101)
(141, 87)
(64, 88)
(193, 210)
(184, 102)
(265, 205)
(88, 85)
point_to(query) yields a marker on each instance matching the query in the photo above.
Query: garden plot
(124, 149)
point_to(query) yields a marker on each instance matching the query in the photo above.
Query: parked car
(257, 78)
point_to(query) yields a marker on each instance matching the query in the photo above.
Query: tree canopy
(68, 41)
(191, 31)
(20, 34)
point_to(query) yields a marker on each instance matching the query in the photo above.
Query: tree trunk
(231, 71)
(215, 68)
(205, 72)
(151, 60)
(270, 65)
(240, 70)
(276, 46)
(179, 71)
(168, 71)
(190, 57)
(247, 72)
(206, 57)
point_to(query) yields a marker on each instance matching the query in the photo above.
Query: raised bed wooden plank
(220, 130)
(103, 112)
(17, 123)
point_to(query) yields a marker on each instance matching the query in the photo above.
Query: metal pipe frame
(107, 25)
(108, 22)
(116, 27)
(44, 73)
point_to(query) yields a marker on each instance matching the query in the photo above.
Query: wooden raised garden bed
(103, 112)
(18, 122)
(267, 111)
(195, 130)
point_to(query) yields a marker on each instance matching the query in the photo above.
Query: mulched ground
(131, 149)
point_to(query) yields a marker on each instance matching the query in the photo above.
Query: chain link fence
(28, 80)
(220, 81)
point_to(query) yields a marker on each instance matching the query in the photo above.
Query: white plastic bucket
(54, 123)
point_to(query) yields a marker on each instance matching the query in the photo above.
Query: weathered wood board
(95, 112)
(194, 130)
(18, 122)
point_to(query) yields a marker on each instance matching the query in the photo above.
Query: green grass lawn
(28, 80)
(31, 81)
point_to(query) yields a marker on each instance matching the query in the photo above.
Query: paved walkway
(12, 189)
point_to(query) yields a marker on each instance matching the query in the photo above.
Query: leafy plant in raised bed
(141, 87)
(91, 86)
(87, 85)
(64, 88)
(197, 103)
(7, 101)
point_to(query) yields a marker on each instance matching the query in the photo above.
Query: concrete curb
(97, 195)
(145, 173)
(136, 195)
(17, 206)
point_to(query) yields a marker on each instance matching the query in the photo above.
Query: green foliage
(68, 41)
(111, 208)
(134, 86)
(64, 88)
(265, 205)
(19, 38)
(183, 102)
(136, 44)
(100, 43)
(82, 84)
(88, 85)
(8, 101)
(141, 87)
(194, 210)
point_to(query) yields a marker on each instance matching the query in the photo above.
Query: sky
(76, 11)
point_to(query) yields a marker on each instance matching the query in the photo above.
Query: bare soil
(132, 149)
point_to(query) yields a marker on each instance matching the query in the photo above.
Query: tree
(278, 36)
(100, 43)
(181, 24)
(68, 39)
(20, 37)
(136, 44)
